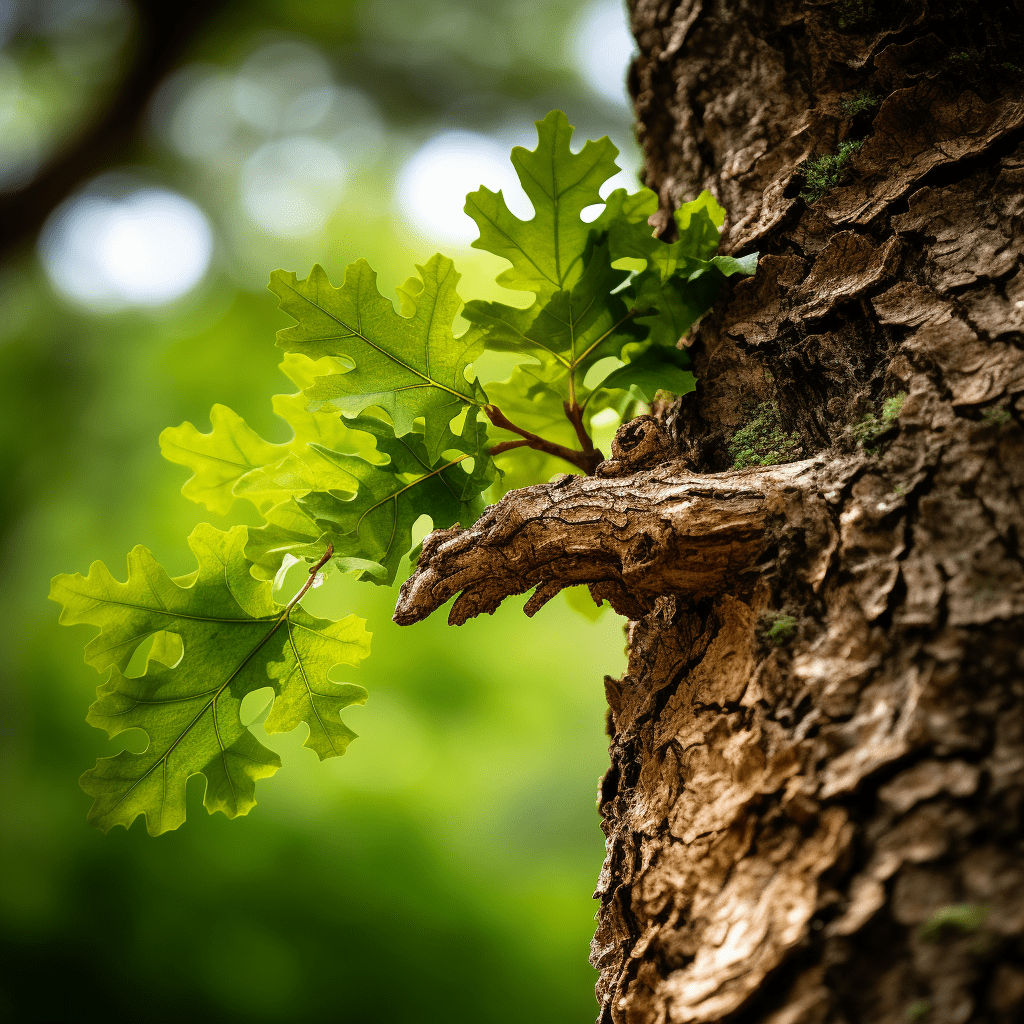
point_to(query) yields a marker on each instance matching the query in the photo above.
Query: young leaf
(675, 303)
(217, 634)
(547, 251)
(569, 332)
(219, 459)
(698, 225)
(376, 522)
(287, 531)
(235, 640)
(231, 460)
(410, 366)
(584, 311)
(683, 278)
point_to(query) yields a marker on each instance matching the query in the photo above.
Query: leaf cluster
(859, 103)
(217, 635)
(781, 629)
(389, 424)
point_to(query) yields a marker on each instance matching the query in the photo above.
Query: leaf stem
(590, 348)
(324, 559)
(586, 460)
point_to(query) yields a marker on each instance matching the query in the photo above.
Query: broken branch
(630, 538)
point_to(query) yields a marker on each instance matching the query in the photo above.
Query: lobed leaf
(235, 639)
(683, 278)
(411, 366)
(655, 368)
(376, 521)
(546, 252)
(569, 332)
(585, 308)
(232, 460)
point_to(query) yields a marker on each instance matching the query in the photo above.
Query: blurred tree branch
(161, 36)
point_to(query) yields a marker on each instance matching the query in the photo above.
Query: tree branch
(586, 460)
(631, 538)
(574, 414)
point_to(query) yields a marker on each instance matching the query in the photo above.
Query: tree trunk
(813, 810)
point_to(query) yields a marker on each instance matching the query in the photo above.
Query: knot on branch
(630, 538)
(641, 442)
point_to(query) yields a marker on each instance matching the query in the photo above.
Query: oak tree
(813, 808)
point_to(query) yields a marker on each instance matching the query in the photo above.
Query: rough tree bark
(828, 830)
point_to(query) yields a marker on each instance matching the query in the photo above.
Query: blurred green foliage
(954, 919)
(443, 868)
(781, 629)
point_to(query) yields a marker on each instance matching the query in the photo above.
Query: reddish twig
(586, 460)
(574, 414)
(507, 446)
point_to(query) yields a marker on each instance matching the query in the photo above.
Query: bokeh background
(155, 165)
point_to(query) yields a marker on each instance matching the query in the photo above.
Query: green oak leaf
(698, 226)
(699, 223)
(288, 531)
(375, 522)
(683, 278)
(657, 367)
(411, 366)
(235, 640)
(569, 332)
(676, 303)
(611, 303)
(232, 460)
(547, 251)
(219, 459)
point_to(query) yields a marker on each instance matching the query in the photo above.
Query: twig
(324, 559)
(586, 460)
(507, 446)
(574, 414)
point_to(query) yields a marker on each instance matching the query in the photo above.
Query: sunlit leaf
(235, 639)
(230, 461)
(375, 522)
(569, 332)
(546, 252)
(410, 366)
